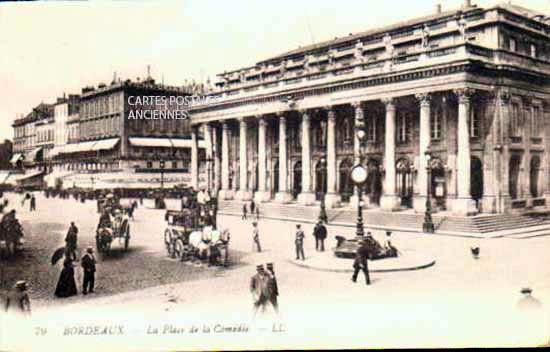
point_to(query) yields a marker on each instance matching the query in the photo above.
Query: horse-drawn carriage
(109, 231)
(108, 202)
(189, 237)
(347, 248)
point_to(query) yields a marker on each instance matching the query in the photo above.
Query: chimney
(438, 8)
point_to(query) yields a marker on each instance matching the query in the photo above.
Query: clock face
(359, 174)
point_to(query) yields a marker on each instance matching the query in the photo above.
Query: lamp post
(162, 164)
(428, 225)
(323, 211)
(359, 176)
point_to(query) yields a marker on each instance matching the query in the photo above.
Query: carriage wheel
(168, 242)
(178, 248)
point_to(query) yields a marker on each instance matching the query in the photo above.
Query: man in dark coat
(71, 241)
(33, 203)
(361, 261)
(299, 242)
(17, 301)
(320, 233)
(245, 210)
(272, 287)
(258, 285)
(88, 264)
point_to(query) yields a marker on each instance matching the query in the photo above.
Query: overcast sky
(47, 48)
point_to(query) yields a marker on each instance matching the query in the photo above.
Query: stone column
(209, 155)
(283, 195)
(226, 192)
(217, 161)
(359, 115)
(389, 200)
(262, 195)
(307, 197)
(419, 200)
(332, 198)
(194, 159)
(243, 192)
(463, 204)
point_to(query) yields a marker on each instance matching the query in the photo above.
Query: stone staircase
(477, 226)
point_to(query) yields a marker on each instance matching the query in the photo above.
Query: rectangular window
(474, 121)
(402, 128)
(533, 50)
(537, 122)
(435, 124)
(371, 130)
(174, 164)
(512, 44)
(149, 164)
(514, 120)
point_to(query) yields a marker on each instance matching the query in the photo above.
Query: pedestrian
(528, 303)
(66, 286)
(256, 237)
(17, 300)
(33, 203)
(258, 284)
(299, 242)
(257, 212)
(245, 210)
(361, 261)
(71, 241)
(252, 207)
(272, 287)
(88, 264)
(320, 234)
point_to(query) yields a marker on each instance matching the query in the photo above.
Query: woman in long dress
(66, 286)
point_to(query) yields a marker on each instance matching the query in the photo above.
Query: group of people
(32, 201)
(254, 211)
(264, 289)
(320, 234)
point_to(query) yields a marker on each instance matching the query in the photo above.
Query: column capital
(225, 125)
(504, 97)
(304, 113)
(358, 104)
(464, 94)
(281, 114)
(331, 114)
(261, 120)
(389, 103)
(424, 99)
(242, 121)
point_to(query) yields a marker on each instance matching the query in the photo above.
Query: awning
(33, 154)
(164, 142)
(16, 157)
(150, 142)
(30, 175)
(105, 144)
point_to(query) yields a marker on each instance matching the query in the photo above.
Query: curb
(419, 267)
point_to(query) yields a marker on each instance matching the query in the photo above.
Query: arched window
(534, 176)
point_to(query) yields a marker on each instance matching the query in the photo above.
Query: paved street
(459, 301)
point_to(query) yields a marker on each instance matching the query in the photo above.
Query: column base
(419, 204)
(390, 202)
(262, 196)
(488, 204)
(226, 194)
(306, 198)
(243, 195)
(283, 197)
(332, 200)
(464, 207)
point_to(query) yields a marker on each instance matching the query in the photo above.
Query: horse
(103, 239)
(211, 245)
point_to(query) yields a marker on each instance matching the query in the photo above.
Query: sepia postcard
(249, 175)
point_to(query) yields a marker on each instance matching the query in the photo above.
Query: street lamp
(161, 164)
(359, 176)
(428, 225)
(323, 212)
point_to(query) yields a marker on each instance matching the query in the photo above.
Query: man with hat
(258, 286)
(360, 262)
(272, 288)
(18, 300)
(528, 302)
(320, 233)
(299, 242)
(88, 264)
(256, 236)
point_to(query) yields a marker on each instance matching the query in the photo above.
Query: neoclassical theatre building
(472, 85)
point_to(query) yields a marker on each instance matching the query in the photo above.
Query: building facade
(33, 137)
(470, 85)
